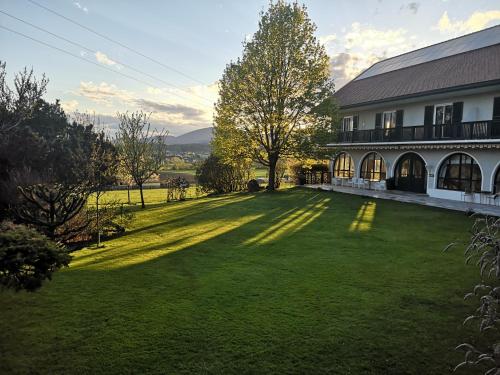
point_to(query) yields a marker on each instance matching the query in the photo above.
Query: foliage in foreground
(484, 249)
(27, 258)
(216, 176)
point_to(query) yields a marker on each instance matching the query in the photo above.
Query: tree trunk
(128, 193)
(271, 185)
(142, 196)
(97, 221)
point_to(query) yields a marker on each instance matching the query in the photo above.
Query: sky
(165, 57)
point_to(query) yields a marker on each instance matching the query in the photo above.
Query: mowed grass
(297, 281)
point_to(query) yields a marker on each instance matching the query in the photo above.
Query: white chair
(467, 196)
(361, 183)
(351, 182)
(381, 185)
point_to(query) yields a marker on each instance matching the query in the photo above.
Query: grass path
(298, 281)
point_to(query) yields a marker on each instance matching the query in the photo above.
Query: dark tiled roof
(462, 70)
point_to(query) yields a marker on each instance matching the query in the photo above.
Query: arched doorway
(373, 167)
(343, 166)
(410, 174)
(496, 182)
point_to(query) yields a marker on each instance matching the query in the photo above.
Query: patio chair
(360, 183)
(381, 185)
(494, 199)
(467, 196)
(351, 182)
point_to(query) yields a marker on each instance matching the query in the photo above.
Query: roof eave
(423, 93)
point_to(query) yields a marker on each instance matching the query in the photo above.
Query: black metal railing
(459, 131)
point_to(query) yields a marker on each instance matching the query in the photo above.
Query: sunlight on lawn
(148, 242)
(364, 218)
(294, 220)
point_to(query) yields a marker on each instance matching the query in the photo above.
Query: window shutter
(428, 120)
(355, 120)
(429, 115)
(399, 118)
(495, 126)
(458, 109)
(378, 121)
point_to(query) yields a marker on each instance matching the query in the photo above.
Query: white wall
(488, 160)
(477, 107)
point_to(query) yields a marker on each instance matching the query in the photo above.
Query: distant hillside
(200, 136)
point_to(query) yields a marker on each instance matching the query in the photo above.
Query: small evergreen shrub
(28, 257)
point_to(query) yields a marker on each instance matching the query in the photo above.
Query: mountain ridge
(198, 136)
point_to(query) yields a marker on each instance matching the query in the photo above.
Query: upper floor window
(389, 120)
(443, 114)
(347, 124)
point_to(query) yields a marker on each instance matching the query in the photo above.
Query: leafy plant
(176, 188)
(270, 99)
(217, 176)
(484, 250)
(27, 257)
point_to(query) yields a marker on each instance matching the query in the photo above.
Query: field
(297, 281)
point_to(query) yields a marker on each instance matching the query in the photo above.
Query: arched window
(496, 182)
(344, 166)
(459, 172)
(373, 167)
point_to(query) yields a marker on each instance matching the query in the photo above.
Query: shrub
(484, 251)
(216, 176)
(176, 188)
(113, 220)
(27, 257)
(253, 186)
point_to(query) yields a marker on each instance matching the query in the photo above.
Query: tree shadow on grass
(233, 306)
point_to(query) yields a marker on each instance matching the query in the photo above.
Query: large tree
(18, 103)
(142, 150)
(268, 96)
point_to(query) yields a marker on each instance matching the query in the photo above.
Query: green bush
(216, 176)
(27, 257)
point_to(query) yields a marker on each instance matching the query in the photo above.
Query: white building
(427, 121)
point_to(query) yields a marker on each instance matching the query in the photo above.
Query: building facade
(427, 121)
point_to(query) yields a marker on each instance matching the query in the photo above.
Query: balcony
(460, 131)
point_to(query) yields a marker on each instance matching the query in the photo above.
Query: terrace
(459, 131)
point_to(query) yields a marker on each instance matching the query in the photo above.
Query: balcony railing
(460, 131)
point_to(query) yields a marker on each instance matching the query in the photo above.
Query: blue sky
(198, 38)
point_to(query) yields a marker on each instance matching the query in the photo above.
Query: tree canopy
(267, 98)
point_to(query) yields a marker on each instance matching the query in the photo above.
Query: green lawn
(297, 281)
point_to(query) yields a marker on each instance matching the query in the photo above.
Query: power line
(83, 59)
(115, 42)
(95, 52)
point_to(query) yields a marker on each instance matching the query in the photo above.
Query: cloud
(476, 21)
(412, 7)
(80, 6)
(360, 46)
(103, 59)
(178, 109)
(170, 110)
(103, 92)
(69, 106)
